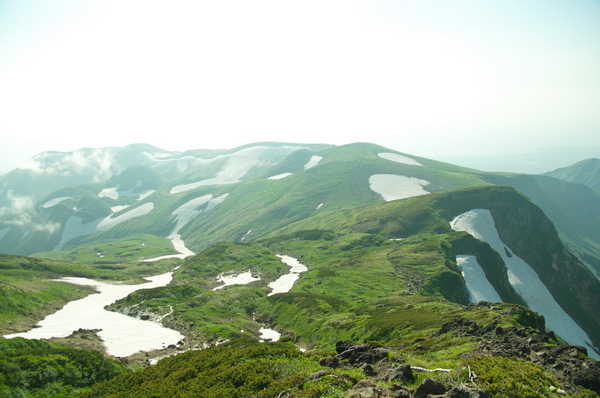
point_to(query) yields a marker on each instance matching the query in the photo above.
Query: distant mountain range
(380, 231)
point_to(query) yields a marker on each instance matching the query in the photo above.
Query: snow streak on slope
(394, 157)
(74, 228)
(279, 176)
(285, 282)
(314, 160)
(525, 281)
(55, 201)
(184, 214)
(392, 186)
(480, 289)
(236, 167)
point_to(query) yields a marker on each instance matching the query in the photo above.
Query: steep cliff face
(526, 230)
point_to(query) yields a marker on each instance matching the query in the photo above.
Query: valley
(306, 246)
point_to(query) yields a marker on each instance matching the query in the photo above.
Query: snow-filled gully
(523, 278)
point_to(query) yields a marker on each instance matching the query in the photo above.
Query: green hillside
(586, 172)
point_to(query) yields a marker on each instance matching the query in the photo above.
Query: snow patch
(285, 282)
(74, 227)
(319, 206)
(245, 235)
(109, 193)
(480, 289)
(55, 201)
(184, 214)
(236, 167)
(241, 279)
(268, 335)
(279, 176)
(524, 279)
(122, 335)
(314, 160)
(394, 157)
(392, 186)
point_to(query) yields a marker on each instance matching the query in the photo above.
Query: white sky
(426, 77)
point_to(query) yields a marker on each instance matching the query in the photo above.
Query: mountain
(586, 172)
(424, 260)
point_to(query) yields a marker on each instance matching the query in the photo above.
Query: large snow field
(392, 186)
(55, 201)
(524, 279)
(74, 227)
(314, 160)
(394, 157)
(122, 335)
(236, 167)
(284, 283)
(240, 279)
(480, 289)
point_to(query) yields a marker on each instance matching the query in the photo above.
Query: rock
(342, 346)
(429, 387)
(401, 373)
(372, 356)
(330, 362)
(368, 369)
(365, 389)
(466, 392)
(319, 374)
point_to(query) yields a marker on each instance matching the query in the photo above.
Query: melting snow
(122, 335)
(480, 289)
(523, 278)
(240, 279)
(245, 235)
(55, 201)
(314, 160)
(184, 214)
(269, 335)
(236, 167)
(74, 228)
(319, 206)
(392, 186)
(285, 282)
(279, 176)
(394, 157)
(109, 193)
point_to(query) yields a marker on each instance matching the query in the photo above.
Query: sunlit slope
(340, 180)
(586, 172)
(422, 224)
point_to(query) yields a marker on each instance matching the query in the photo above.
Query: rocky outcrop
(569, 364)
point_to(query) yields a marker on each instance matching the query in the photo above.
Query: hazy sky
(427, 77)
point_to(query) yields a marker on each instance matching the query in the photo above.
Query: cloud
(23, 213)
(97, 162)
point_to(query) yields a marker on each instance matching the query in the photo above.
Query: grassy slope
(586, 172)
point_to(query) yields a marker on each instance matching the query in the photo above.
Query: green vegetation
(241, 368)
(31, 368)
(132, 248)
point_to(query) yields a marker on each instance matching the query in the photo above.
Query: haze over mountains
(372, 225)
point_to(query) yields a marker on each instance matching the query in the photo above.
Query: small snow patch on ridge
(279, 176)
(394, 157)
(392, 186)
(314, 160)
(242, 279)
(55, 201)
